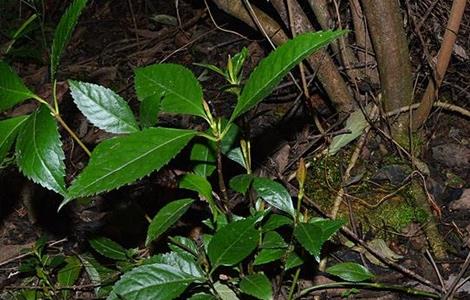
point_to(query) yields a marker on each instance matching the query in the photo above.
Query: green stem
(207, 136)
(294, 284)
(56, 115)
(222, 187)
(54, 96)
(367, 285)
(72, 134)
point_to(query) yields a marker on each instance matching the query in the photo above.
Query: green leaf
(202, 296)
(225, 292)
(198, 184)
(356, 123)
(230, 137)
(203, 156)
(166, 217)
(213, 68)
(103, 107)
(12, 88)
(68, 275)
(64, 31)
(241, 183)
(8, 131)
(182, 261)
(236, 155)
(313, 236)
(187, 242)
(328, 226)
(98, 274)
(108, 248)
(275, 194)
(276, 65)
(174, 85)
(268, 255)
(156, 281)
(149, 108)
(233, 243)
(350, 271)
(275, 221)
(124, 159)
(257, 285)
(39, 151)
(238, 60)
(273, 240)
(203, 153)
(293, 260)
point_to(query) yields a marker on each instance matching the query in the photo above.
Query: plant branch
(71, 133)
(443, 58)
(220, 174)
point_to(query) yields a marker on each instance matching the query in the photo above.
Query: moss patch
(390, 216)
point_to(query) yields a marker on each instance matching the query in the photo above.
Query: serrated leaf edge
(79, 105)
(73, 196)
(172, 91)
(63, 190)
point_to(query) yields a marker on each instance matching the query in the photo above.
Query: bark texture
(391, 49)
(349, 59)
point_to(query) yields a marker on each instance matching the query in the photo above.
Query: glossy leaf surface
(64, 31)
(8, 131)
(108, 248)
(155, 281)
(313, 236)
(293, 260)
(98, 274)
(166, 217)
(103, 107)
(198, 184)
(275, 194)
(182, 261)
(174, 85)
(68, 275)
(233, 243)
(350, 271)
(202, 296)
(225, 292)
(12, 88)
(257, 285)
(124, 159)
(273, 240)
(268, 255)
(149, 108)
(39, 151)
(275, 221)
(203, 156)
(241, 183)
(276, 65)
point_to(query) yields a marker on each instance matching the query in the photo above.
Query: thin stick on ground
(456, 281)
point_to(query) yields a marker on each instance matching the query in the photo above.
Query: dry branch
(443, 58)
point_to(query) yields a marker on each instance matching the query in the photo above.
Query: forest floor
(110, 42)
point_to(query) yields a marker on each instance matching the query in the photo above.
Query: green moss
(324, 178)
(393, 215)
